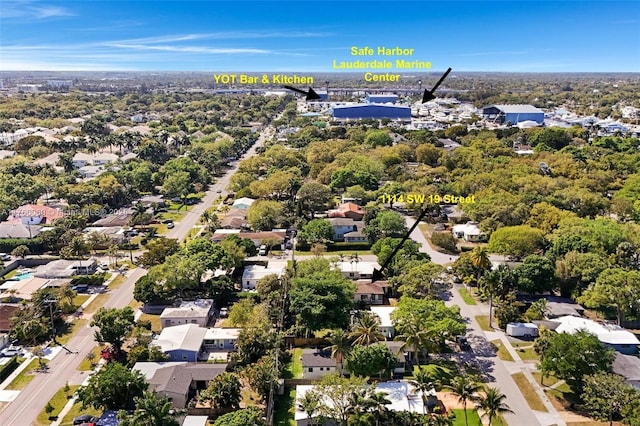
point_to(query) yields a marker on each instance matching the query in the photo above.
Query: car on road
(224, 312)
(219, 191)
(463, 343)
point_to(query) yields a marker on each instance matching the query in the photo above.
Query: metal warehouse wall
(519, 117)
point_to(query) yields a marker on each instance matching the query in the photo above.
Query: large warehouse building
(374, 111)
(381, 98)
(513, 114)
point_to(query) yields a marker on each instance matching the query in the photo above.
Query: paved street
(63, 368)
(483, 354)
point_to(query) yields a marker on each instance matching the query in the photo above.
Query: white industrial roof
(606, 333)
(518, 108)
(361, 267)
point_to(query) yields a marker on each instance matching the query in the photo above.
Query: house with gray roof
(316, 364)
(182, 342)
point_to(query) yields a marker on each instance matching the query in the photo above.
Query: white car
(5, 256)
(224, 312)
(11, 351)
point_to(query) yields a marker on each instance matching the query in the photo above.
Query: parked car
(463, 343)
(84, 419)
(11, 351)
(263, 250)
(224, 312)
(170, 225)
(167, 221)
(5, 256)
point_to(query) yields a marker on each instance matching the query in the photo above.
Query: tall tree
(340, 346)
(114, 325)
(479, 258)
(223, 393)
(615, 287)
(114, 387)
(151, 410)
(366, 329)
(466, 388)
(607, 395)
(492, 403)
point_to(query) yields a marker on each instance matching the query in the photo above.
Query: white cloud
(29, 10)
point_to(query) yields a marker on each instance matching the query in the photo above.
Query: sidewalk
(69, 405)
(17, 371)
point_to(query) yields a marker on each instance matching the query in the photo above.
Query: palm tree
(466, 387)
(340, 346)
(376, 404)
(423, 383)
(479, 258)
(441, 420)
(151, 410)
(492, 403)
(366, 330)
(310, 405)
(65, 292)
(77, 247)
(414, 336)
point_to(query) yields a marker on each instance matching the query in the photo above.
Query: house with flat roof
(62, 268)
(178, 381)
(614, 336)
(357, 270)
(254, 273)
(197, 311)
(386, 324)
(470, 231)
(181, 342)
(218, 339)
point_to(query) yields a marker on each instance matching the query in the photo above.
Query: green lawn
(483, 322)
(76, 411)
(294, 369)
(117, 281)
(26, 376)
(76, 325)
(548, 381)
(156, 324)
(529, 392)
(501, 350)
(58, 402)
(468, 299)
(11, 274)
(285, 408)
(472, 416)
(79, 299)
(527, 353)
(97, 303)
(85, 365)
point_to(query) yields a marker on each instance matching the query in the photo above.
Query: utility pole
(53, 328)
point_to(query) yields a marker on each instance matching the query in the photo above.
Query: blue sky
(306, 36)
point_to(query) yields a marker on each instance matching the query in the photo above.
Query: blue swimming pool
(23, 276)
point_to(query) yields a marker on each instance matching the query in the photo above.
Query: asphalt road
(63, 368)
(482, 355)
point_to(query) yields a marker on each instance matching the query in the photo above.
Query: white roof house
(182, 339)
(399, 393)
(470, 231)
(386, 324)
(611, 335)
(253, 273)
(192, 312)
(357, 270)
(243, 203)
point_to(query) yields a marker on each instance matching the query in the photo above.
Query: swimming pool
(23, 276)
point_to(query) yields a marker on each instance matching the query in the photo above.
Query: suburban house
(357, 270)
(342, 226)
(19, 230)
(7, 311)
(178, 381)
(355, 237)
(614, 336)
(182, 342)
(112, 234)
(403, 356)
(470, 231)
(66, 268)
(370, 293)
(347, 210)
(234, 219)
(198, 312)
(316, 364)
(386, 325)
(121, 218)
(628, 366)
(243, 203)
(80, 159)
(34, 214)
(253, 273)
(398, 392)
(218, 340)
